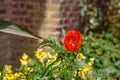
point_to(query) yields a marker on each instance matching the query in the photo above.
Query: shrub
(91, 57)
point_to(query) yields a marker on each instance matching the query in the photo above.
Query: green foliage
(113, 16)
(16, 29)
(54, 44)
(90, 15)
(98, 15)
(3, 72)
(105, 49)
(59, 64)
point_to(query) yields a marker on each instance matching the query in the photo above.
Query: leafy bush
(57, 64)
(105, 48)
(99, 15)
(91, 57)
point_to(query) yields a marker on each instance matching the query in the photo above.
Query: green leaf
(80, 63)
(52, 43)
(63, 32)
(12, 28)
(3, 72)
(37, 61)
(3, 24)
(44, 78)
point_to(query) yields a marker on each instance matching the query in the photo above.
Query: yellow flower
(92, 59)
(38, 51)
(40, 55)
(81, 57)
(25, 59)
(73, 79)
(57, 63)
(65, 66)
(17, 75)
(82, 72)
(9, 69)
(28, 69)
(75, 73)
(9, 74)
(91, 62)
(51, 59)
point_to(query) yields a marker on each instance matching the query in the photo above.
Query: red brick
(74, 20)
(64, 14)
(19, 12)
(14, 19)
(71, 14)
(30, 6)
(20, 19)
(15, 5)
(77, 14)
(20, 0)
(60, 22)
(37, 0)
(67, 21)
(2, 18)
(76, 8)
(1, 1)
(57, 1)
(61, 8)
(67, 8)
(3, 11)
(28, 20)
(4, 5)
(77, 2)
(22, 5)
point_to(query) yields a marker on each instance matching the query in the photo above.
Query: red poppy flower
(73, 41)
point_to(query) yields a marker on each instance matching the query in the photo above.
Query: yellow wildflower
(0, 73)
(28, 69)
(75, 73)
(81, 57)
(91, 62)
(92, 59)
(65, 66)
(25, 59)
(73, 79)
(38, 51)
(40, 54)
(17, 75)
(57, 63)
(82, 72)
(51, 59)
(49, 55)
(9, 74)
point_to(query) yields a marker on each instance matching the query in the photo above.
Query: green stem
(43, 74)
(3, 72)
(74, 56)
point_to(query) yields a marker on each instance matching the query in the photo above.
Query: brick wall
(70, 14)
(43, 17)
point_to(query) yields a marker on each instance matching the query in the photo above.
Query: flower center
(74, 43)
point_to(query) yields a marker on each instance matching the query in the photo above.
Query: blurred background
(47, 17)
